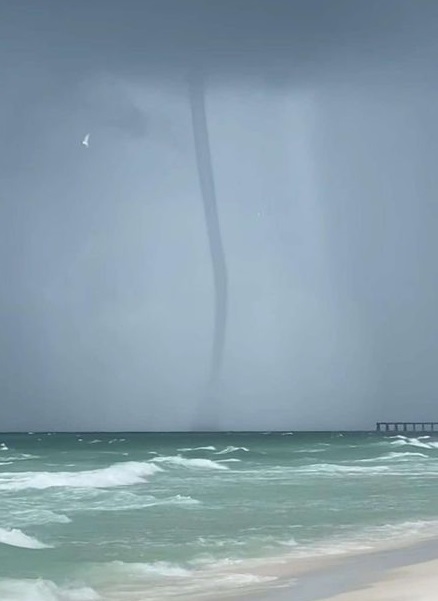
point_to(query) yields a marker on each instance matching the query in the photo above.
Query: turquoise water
(130, 517)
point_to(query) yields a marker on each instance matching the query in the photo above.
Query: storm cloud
(322, 122)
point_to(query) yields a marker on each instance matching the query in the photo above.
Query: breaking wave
(157, 569)
(382, 536)
(139, 502)
(231, 450)
(21, 457)
(189, 580)
(119, 474)
(394, 456)
(179, 461)
(401, 441)
(16, 538)
(334, 469)
(43, 590)
(209, 448)
(37, 516)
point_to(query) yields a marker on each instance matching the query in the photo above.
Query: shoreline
(375, 575)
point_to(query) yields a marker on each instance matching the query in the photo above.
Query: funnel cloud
(206, 179)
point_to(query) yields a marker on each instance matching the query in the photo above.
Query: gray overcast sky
(323, 127)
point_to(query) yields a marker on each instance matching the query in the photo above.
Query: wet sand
(408, 573)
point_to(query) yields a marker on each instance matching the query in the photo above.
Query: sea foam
(190, 580)
(43, 590)
(400, 441)
(25, 517)
(177, 460)
(118, 474)
(335, 469)
(231, 449)
(21, 457)
(16, 538)
(156, 569)
(393, 456)
(209, 448)
(134, 502)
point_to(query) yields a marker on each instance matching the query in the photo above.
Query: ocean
(155, 516)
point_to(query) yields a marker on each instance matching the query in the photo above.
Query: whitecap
(16, 538)
(37, 516)
(402, 455)
(307, 451)
(290, 542)
(333, 469)
(135, 502)
(187, 449)
(118, 474)
(22, 457)
(3, 447)
(231, 449)
(400, 441)
(179, 461)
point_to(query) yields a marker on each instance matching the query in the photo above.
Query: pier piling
(407, 426)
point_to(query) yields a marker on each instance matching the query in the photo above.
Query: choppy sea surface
(130, 517)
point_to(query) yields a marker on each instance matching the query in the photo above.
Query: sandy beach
(412, 583)
(408, 573)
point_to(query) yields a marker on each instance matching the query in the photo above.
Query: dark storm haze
(322, 124)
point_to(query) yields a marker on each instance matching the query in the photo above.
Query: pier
(407, 426)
